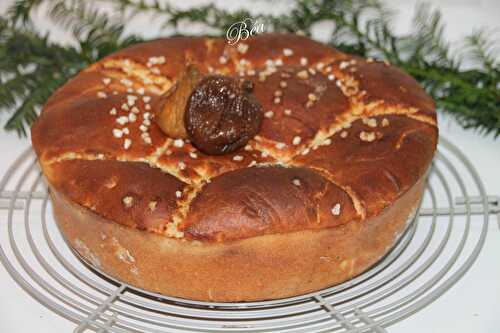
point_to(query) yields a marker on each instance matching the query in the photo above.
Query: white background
(473, 305)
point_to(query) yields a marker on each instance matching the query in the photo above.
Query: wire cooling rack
(434, 253)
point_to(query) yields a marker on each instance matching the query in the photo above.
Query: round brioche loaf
(317, 197)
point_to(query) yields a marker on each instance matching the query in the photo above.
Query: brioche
(315, 198)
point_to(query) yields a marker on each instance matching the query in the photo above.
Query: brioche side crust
(259, 268)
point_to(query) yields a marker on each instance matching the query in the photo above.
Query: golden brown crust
(257, 201)
(102, 186)
(379, 171)
(258, 268)
(364, 128)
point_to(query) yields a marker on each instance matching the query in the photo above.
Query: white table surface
(472, 305)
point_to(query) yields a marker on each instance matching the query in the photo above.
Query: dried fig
(222, 115)
(217, 113)
(173, 105)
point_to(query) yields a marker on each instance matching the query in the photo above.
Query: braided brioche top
(342, 138)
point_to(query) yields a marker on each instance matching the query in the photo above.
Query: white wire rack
(435, 252)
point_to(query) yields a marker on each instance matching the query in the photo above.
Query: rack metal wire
(433, 254)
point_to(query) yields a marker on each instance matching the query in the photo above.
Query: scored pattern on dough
(357, 202)
(132, 76)
(346, 120)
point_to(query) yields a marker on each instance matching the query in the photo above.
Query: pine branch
(482, 50)
(32, 67)
(363, 27)
(21, 10)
